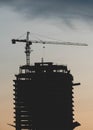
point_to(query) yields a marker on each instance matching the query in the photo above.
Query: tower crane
(30, 42)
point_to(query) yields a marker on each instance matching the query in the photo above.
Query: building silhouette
(43, 98)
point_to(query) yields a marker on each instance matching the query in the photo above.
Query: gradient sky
(63, 20)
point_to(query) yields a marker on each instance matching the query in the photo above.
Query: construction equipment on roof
(29, 43)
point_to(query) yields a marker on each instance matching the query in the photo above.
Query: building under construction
(43, 95)
(44, 98)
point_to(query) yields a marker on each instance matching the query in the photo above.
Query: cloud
(52, 9)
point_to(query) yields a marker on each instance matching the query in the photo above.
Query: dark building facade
(43, 98)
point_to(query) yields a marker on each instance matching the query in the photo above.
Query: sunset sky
(60, 20)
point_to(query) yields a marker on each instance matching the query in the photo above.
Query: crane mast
(28, 43)
(27, 49)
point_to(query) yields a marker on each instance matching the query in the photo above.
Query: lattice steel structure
(43, 98)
